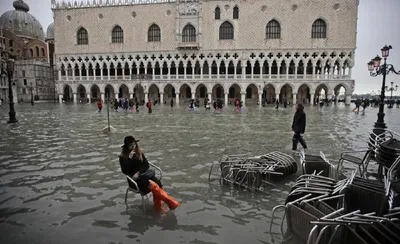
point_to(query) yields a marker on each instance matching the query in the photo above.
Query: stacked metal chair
(254, 172)
(321, 209)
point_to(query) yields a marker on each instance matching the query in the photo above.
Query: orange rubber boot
(159, 193)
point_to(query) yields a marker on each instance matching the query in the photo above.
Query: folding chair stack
(320, 209)
(386, 147)
(254, 172)
(317, 164)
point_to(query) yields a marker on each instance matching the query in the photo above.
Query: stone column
(176, 73)
(295, 70)
(169, 73)
(348, 99)
(243, 98)
(75, 97)
(123, 73)
(201, 72)
(226, 99)
(108, 73)
(102, 95)
(269, 71)
(193, 95)
(313, 71)
(329, 96)
(259, 98)
(287, 71)
(193, 73)
(130, 95)
(184, 71)
(217, 70)
(209, 96)
(294, 98)
(234, 72)
(60, 98)
(146, 97)
(161, 98)
(88, 97)
(80, 72)
(101, 73)
(116, 96)
(312, 98)
(209, 71)
(59, 74)
(226, 72)
(277, 96)
(177, 99)
(243, 72)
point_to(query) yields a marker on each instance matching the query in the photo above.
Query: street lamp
(391, 89)
(31, 88)
(10, 72)
(375, 68)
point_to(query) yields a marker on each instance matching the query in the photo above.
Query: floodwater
(60, 180)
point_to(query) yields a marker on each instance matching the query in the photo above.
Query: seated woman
(134, 164)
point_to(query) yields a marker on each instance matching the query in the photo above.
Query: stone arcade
(252, 50)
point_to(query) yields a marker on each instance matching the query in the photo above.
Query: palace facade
(254, 50)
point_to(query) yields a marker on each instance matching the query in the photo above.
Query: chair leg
(126, 195)
(144, 203)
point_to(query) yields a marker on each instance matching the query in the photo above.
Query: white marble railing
(213, 77)
(62, 4)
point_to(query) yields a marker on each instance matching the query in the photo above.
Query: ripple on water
(60, 175)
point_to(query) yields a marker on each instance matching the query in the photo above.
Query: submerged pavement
(60, 180)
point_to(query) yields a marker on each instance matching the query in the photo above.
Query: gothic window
(189, 33)
(31, 52)
(154, 33)
(117, 35)
(273, 30)
(82, 37)
(37, 51)
(226, 31)
(236, 12)
(43, 52)
(217, 13)
(318, 29)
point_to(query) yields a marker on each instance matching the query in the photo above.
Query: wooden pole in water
(108, 112)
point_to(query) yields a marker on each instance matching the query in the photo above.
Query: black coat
(130, 166)
(299, 122)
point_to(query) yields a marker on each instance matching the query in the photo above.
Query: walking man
(299, 126)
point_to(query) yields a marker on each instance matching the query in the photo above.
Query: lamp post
(31, 88)
(10, 73)
(391, 89)
(375, 68)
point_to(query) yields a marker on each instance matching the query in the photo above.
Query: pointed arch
(273, 30)
(189, 33)
(154, 33)
(318, 29)
(117, 34)
(217, 13)
(226, 31)
(82, 36)
(236, 12)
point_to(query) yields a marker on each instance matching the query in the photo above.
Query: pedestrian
(277, 104)
(172, 102)
(299, 127)
(148, 105)
(100, 105)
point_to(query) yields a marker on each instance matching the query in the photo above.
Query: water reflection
(61, 182)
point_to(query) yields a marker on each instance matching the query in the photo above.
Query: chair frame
(137, 190)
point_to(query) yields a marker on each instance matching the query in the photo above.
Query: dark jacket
(299, 122)
(130, 166)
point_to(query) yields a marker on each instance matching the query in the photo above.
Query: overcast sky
(378, 24)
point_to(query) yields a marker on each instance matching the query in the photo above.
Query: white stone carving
(190, 8)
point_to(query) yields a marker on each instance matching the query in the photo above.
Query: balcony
(188, 45)
(204, 77)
